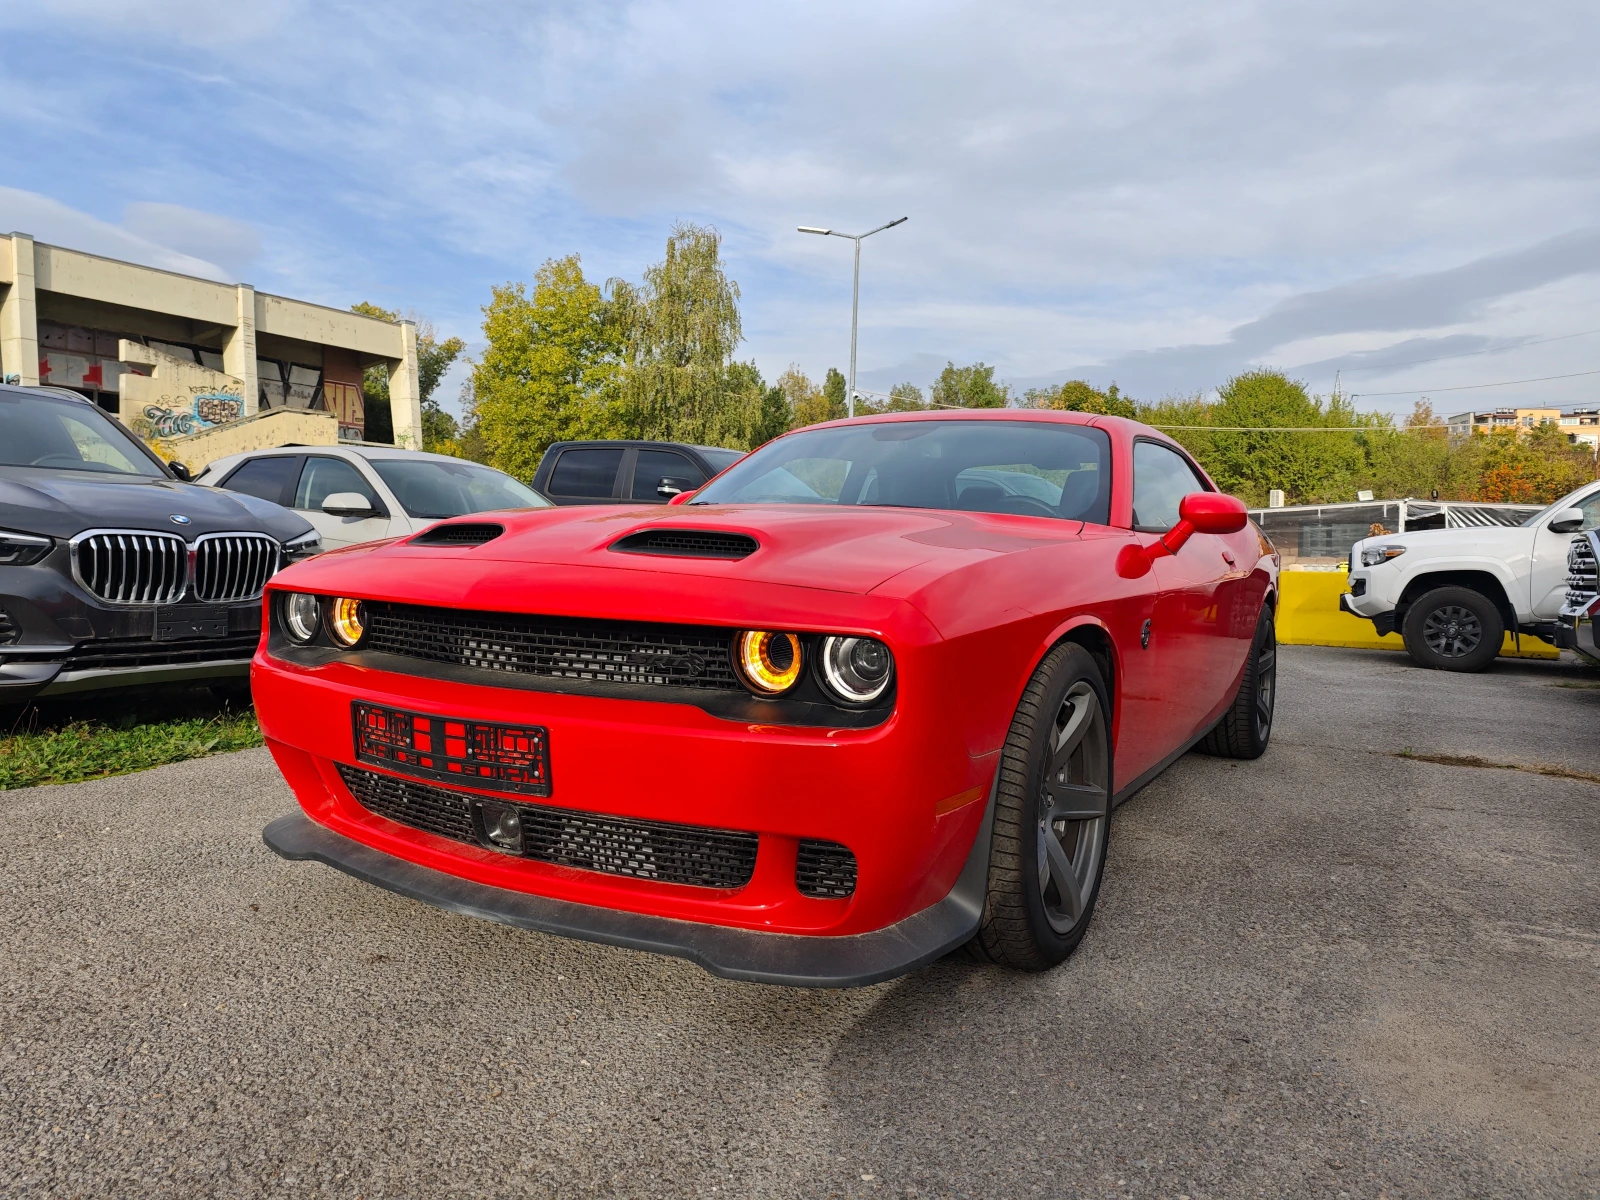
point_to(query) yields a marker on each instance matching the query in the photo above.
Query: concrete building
(1487, 421)
(84, 322)
(1582, 427)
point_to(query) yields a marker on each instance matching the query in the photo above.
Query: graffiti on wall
(203, 408)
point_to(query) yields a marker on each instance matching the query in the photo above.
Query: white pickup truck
(1453, 593)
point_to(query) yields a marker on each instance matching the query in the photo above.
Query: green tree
(809, 404)
(679, 329)
(968, 387)
(1077, 396)
(834, 387)
(434, 358)
(548, 368)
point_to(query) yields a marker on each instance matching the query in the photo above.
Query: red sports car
(869, 695)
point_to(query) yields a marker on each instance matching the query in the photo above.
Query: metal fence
(1324, 533)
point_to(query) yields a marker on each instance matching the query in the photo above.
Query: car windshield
(1024, 468)
(41, 430)
(429, 487)
(1570, 500)
(718, 459)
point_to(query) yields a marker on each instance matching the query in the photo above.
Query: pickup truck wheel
(1453, 629)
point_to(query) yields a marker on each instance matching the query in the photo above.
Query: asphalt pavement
(1336, 971)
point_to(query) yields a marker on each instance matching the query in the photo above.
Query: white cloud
(53, 222)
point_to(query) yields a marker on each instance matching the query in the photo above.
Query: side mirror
(669, 487)
(181, 471)
(1202, 512)
(347, 504)
(1568, 520)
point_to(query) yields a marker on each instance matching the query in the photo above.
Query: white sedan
(363, 493)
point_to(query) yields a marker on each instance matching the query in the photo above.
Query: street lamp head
(814, 229)
(897, 221)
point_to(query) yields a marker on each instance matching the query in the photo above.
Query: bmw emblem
(179, 519)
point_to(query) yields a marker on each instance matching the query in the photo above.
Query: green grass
(91, 737)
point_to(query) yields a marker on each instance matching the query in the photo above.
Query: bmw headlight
(302, 616)
(22, 549)
(309, 542)
(1374, 556)
(857, 670)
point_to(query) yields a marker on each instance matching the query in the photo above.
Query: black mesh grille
(8, 628)
(824, 869)
(607, 651)
(688, 854)
(101, 656)
(688, 543)
(462, 533)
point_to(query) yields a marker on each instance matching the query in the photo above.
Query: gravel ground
(1335, 971)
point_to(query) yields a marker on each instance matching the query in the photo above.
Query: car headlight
(22, 549)
(345, 621)
(1374, 556)
(769, 662)
(302, 616)
(857, 670)
(307, 543)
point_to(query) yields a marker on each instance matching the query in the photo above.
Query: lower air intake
(825, 870)
(688, 854)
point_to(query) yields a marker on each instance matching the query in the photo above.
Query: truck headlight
(1374, 556)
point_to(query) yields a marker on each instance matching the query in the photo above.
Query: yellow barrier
(1308, 615)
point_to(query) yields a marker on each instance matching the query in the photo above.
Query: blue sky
(1155, 193)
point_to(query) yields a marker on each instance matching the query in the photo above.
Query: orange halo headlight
(345, 621)
(769, 662)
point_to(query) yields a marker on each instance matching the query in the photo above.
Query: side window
(1591, 511)
(1161, 478)
(590, 472)
(656, 466)
(267, 478)
(323, 477)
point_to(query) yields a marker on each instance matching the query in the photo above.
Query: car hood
(853, 550)
(1492, 541)
(65, 503)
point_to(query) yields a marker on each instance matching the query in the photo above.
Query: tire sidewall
(1476, 602)
(1074, 666)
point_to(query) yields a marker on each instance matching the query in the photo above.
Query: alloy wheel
(1074, 805)
(1451, 631)
(1266, 680)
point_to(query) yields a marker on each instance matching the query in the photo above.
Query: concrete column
(239, 351)
(19, 316)
(405, 392)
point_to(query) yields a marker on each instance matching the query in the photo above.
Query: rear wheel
(1245, 728)
(1052, 816)
(1453, 629)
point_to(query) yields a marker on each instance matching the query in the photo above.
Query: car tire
(1045, 869)
(1245, 728)
(1453, 629)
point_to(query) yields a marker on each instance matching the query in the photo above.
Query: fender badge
(179, 519)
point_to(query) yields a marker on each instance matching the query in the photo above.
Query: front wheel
(1052, 816)
(1453, 629)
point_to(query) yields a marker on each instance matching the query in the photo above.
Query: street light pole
(855, 295)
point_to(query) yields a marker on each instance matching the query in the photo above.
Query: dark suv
(627, 472)
(113, 571)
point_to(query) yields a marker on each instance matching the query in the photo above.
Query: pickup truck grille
(1581, 582)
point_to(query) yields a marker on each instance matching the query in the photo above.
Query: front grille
(132, 568)
(102, 656)
(1581, 575)
(688, 854)
(688, 543)
(233, 566)
(8, 628)
(556, 647)
(824, 869)
(462, 533)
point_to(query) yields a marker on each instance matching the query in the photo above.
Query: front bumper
(1357, 606)
(1576, 632)
(756, 956)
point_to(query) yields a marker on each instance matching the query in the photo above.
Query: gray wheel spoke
(1066, 879)
(1067, 740)
(1074, 801)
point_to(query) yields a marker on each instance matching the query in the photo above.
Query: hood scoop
(461, 533)
(688, 543)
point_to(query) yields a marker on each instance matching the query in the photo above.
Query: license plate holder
(190, 622)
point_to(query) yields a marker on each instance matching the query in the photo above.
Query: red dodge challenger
(868, 696)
